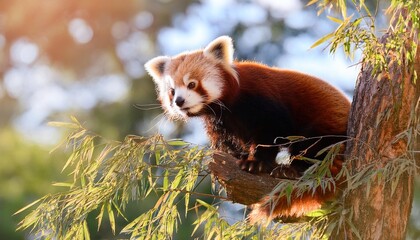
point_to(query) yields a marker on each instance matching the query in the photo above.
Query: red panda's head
(189, 82)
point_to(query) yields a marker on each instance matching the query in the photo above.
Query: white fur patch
(283, 157)
(194, 100)
(213, 85)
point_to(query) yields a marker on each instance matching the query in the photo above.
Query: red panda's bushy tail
(272, 207)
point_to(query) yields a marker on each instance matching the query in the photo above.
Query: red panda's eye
(172, 91)
(191, 85)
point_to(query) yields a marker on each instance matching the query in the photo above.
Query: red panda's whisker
(147, 107)
(208, 106)
(221, 104)
(155, 122)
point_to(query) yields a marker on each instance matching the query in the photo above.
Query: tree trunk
(383, 123)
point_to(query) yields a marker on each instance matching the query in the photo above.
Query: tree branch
(241, 186)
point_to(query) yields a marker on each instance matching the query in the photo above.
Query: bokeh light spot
(143, 20)
(80, 30)
(23, 51)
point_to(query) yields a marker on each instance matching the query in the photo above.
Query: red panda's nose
(179, 101)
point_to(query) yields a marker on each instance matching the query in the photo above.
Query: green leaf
(78, 134)
(206, 205)
(28, 206)
(177, 179)
(336, 20)
(86, 233)
(118, 210)
(165, 181)
(312, 2)
(343, 8)
(63, 125)
(100, 216)
(73, 157)
(177, 143)
(295, 138)
(74, 119)
(63, 184)
(317, 213)
(322, 40)
(111, 217)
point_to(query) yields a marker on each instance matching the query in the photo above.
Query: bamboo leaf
(78, 134)
(206, 205)
(336, 20)
(111, 217)
(165, 181)
(86, 233)
(295, 138)
(119, 210)
(28, 206)
(100, 216)
(63, 125)
(177, 179)
(177, 143)
(322, 40)
(343, 8)
(312, 2)
(63, 184)
(74, 119)
(70, 160)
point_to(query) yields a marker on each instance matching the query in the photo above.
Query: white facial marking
(195, 102)
(213, 85)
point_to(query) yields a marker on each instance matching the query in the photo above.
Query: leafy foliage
(108, 174)
(360, 33)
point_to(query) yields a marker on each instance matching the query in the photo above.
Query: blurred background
(85, 58)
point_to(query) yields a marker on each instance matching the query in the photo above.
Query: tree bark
(383, 112)
(241, 186)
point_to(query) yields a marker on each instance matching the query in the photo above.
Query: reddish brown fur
(324, 108)
(287, 87)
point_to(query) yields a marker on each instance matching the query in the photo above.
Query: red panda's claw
(285, 172)
(242, 164)
(260, 167)
(251, 167)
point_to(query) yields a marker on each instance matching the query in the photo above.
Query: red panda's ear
(221, 49)
(156, 66)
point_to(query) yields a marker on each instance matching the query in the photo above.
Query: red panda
(247, 106)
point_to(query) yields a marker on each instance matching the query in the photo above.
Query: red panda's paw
(252, 166)
(285, 172)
